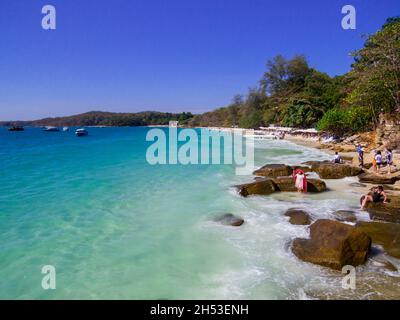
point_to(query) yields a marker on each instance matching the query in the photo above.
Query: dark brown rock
(389, 211)
(335, 170)
(345, 215)
(303, 168)
(385, 234)
(274, 170)
(260, 187)
(298, 216)
(286, 184)
(230, 220)
(376, 179)
(333, 244)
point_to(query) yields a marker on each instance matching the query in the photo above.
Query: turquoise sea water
(116, 227)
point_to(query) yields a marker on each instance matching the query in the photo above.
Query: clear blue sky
(172, 55)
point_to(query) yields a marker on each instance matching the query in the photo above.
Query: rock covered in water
(286, 184)
(230, 220)
(333, 244)
(260, 187)
(389, 211)
(328, 170)
(298, 216)
(345, 215)
(385, 234)
(283, 184)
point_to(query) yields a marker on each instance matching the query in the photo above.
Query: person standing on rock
(378, 159)
(389, 159)
(360, 152)
(300, 181)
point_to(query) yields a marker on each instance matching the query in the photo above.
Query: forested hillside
(98, 118)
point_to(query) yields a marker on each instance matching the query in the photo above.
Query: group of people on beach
(377, 159)
(377, 194)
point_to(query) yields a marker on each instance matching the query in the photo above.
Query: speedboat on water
(16, 128)
(81, 132)
(65, 129)
(51, 129)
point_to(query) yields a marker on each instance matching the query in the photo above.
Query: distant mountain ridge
(101, 118)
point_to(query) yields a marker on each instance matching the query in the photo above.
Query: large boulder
(286, 184)
(298, 216)
(267, 186)
(385, 234)
(389, 211)
(274, 170)
(333, 244)
(335, 170)
(229, 219)
(376, 179)
(261, 187)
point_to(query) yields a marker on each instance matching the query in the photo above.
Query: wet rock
(267, 186)
(315, 163)
(303, 168)
(389, 212)
(384, 263)
(335, 170)
(385, 234)
(274, 170)
(357, 185)
(260, 187)
(230, 220)
(286, 184)
(333, 244)
(298, 216)
(345, 215)
(376, 179)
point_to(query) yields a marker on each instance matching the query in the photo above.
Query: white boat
(51, 129)
(65, 129)
(81, 132)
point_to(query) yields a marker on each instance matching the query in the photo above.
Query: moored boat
(16, 128)
(81, 132)
(51, 129)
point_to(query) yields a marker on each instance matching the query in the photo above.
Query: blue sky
(172, 55)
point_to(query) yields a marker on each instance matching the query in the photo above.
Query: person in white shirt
(378, 159)
(338, 158)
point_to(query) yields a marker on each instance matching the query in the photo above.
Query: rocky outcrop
(274, 170)
(229, 219)
(376, 179)
(279, 170)
(333, 244)
(267, 186)
(335, 170)
(260, 187)
(385, 234)
(345, 215)
(286, 184)
(388, 130)
(389, 211)
(298, 216)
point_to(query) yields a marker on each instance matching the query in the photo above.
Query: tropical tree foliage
(292, 93)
